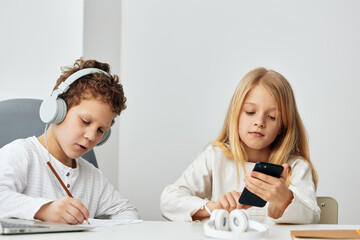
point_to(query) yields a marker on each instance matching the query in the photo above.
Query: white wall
(102, 42)
(181, 61)
(39, 36)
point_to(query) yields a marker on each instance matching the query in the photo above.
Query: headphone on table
(236, 225)
(53, 109)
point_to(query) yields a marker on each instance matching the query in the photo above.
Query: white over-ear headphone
(53, 109)
(238, 222)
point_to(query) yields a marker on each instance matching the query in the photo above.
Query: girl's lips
(256, 134)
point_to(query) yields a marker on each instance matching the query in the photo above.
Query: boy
(28, 186)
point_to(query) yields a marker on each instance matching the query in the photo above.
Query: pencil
(62, 184)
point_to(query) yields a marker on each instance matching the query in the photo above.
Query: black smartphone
(247, 197)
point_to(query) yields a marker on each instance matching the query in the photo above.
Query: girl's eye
(250, 113)
(100, 130)
(272, 118)
(85, 122)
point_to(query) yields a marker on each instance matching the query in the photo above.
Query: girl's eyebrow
(254, 104)
(250, 103)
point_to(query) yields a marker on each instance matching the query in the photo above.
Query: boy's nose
(90, 135)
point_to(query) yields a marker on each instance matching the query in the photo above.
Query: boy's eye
(100, 130)
(85, 122)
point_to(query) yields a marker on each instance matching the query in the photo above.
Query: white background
(180, 63)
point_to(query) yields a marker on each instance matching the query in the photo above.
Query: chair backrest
(19, 118)
(329, 210)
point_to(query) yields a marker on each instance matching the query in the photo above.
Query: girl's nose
(260, 122)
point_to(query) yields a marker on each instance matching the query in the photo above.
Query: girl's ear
(281, 130)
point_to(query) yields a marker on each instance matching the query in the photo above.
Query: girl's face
(258, 123)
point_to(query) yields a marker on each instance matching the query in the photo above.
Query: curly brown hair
(96, 85)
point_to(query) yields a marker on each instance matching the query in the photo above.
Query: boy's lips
(257, 134)
(82, 147)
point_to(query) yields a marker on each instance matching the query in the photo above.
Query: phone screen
(247, 197)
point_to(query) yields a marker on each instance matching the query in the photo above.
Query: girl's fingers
(231, 201)
(236, 196)
(285, 171)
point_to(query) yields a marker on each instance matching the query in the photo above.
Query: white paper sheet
(108, 222)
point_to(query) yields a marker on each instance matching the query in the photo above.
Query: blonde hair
(293, 138)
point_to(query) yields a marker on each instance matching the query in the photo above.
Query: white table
(164, 230)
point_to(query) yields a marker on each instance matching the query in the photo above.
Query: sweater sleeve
(15, 162)
(113, 204)
(179, 201)
(303, 209)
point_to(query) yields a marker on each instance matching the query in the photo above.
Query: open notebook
(325, 234)
(20, 226)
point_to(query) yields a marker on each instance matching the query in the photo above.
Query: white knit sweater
(26, 183)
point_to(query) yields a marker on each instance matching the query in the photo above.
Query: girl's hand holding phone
(271, 189)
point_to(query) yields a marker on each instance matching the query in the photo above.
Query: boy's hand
(65, 210)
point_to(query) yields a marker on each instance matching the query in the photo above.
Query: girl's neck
(55, 149)
(256, 155)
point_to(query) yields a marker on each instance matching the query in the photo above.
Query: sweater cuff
(299, 211)
(33, 207)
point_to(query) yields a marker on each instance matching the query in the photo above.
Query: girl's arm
(303, 208)
(181, 200)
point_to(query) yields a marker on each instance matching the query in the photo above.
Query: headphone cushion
(104, 138)
(61, 111)
(50, 109)
(221, 219)
(238, 220)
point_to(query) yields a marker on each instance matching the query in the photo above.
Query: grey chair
(19, 118)
(329, 210)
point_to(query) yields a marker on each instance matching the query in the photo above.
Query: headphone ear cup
(52, 110)
(61, 111)
(104, 138)
(238, 220)
(221, 219)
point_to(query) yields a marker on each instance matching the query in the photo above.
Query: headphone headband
(64, 86)
(53, 109)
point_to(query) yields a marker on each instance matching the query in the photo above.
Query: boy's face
(83, 127)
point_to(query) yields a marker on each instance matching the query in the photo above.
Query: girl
(262, 124)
